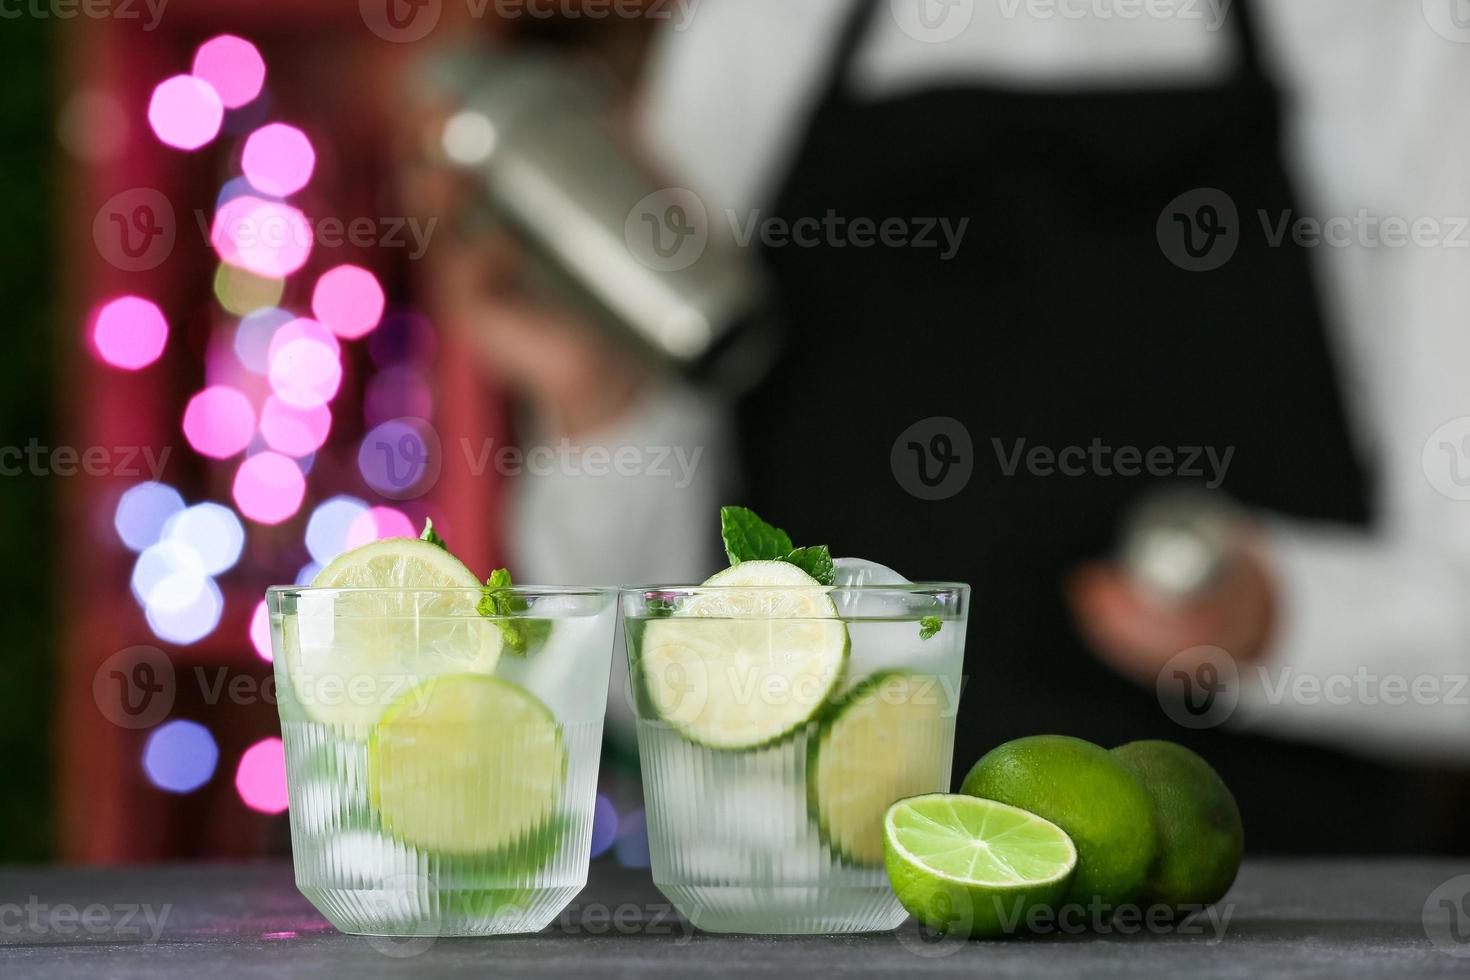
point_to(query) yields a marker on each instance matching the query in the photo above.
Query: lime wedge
(467, 764)
(745, 665)
(396, 563)
(350, 654)
(885, 740)
(970, 866)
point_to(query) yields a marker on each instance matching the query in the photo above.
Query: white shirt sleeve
(1374, 645)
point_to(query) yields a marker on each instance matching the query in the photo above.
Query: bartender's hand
(576, 380)
(1137, 634)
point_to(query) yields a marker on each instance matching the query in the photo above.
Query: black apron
(1059, 320)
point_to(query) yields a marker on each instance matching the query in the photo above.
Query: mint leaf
(748, 538)
(816, 561)
(430, 536)
(929, 625)
(522, 636)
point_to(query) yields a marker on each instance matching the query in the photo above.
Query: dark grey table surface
(1307, 918)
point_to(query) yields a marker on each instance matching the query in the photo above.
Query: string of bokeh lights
(266, 407)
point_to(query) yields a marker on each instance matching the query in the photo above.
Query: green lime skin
(1087, 792)
(980, 912)
(1200, 836)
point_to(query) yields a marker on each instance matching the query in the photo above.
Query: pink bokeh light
(129, 332)
(349, 300)
(269, 238)
(233, 67)
(305, 373)
(295, 330)
(269, 488)
(294, 431)
(185, 112)
(260, 632)
(377, 524)
(278, 159)
(219, 422)
(261, 777)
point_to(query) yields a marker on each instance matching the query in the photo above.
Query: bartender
(1091, 162)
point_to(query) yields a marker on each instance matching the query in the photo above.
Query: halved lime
(744, 665)
(467, 764)
(884, 741)
(970, 866)
(350, 654)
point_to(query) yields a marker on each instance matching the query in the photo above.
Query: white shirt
(1376, 130)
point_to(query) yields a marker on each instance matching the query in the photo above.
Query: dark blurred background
(164, 462)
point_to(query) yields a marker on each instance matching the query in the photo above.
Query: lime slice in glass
(965, 865)
(747, 663)
(884, 740)
(350, 654)
(467, 764)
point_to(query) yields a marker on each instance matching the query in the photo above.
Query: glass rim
(906, 588)
(589, 591)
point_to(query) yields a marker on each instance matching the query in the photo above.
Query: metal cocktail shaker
(1180, 544)
(602, 233)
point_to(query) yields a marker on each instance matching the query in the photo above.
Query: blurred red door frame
(107, 810)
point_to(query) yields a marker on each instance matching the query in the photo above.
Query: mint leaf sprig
(523, 636)
(431, 536)
(748, 538)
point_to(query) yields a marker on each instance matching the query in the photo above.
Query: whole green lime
(1200, 837)
(1086, 791)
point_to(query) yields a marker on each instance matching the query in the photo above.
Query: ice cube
(860, 571)
(853, 577)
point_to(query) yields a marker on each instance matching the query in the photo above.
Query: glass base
(788, 910)
(441, 912)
